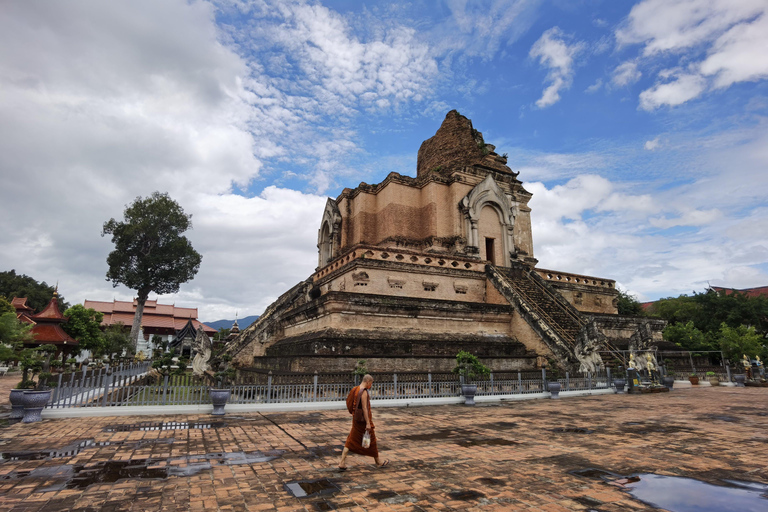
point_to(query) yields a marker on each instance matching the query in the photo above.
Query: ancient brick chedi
(412, 270)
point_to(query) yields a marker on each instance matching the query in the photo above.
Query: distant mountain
(242, 322)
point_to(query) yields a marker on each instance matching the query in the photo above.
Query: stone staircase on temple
(561, 326)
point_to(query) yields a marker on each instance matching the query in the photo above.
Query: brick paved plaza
(500, 457)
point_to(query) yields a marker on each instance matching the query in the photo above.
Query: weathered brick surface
(508, 453)
(456, 144)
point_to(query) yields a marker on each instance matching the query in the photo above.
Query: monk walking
(359, 401)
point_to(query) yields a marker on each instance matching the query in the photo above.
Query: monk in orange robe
(360, 396)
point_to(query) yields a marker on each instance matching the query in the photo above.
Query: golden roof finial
(56, 291)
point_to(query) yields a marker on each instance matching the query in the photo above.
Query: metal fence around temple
(131, 386)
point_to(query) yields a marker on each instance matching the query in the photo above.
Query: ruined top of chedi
(455, 145)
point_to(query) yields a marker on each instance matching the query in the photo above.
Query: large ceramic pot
(219, 399)
(554, 389)
(668, 381)
(469, 390)
(619, 384)
(694, 380)
(17, 405)
(740, 380)
(714, 381)
(34, 402)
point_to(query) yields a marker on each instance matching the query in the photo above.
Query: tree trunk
(136, 327)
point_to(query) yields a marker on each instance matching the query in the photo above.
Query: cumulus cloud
(625, 73)
(682, 88)
(652, 144)
(732, 34)
(553, 52)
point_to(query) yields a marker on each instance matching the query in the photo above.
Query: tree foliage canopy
(84, 325)
(733, 322)
(628, 304)
(38, 294)
(151, 254)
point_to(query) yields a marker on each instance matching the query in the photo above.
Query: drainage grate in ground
(311, 488)
(163, 425)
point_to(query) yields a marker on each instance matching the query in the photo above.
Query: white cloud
(626, 73)
(553, 52)
(480, 28)
(677, 25)
(732, 33)
(683, 88)
(652, 144)
(595, 86)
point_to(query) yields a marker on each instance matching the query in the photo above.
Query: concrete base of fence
(682, 384)
(167, 410)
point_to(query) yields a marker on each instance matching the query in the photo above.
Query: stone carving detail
(329, 236)
(396, 283)
(588, 345)
(488, 193)
(642, 341)
(203, 347)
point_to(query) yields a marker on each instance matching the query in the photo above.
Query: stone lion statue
(203, 348)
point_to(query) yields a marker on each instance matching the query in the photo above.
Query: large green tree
(84, 325)
(38, 294)
(151, 254)
(628, 304)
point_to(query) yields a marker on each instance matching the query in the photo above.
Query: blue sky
(640, 128)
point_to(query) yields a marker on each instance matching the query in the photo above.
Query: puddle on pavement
(496, 441)
(164, 425)
(316, 452)
(499, 425)
(678, 494)
(465, 495)
(490, 481)
(310, 488)
(382, 495)
(571, 430)
(75, 448)
(68, 476)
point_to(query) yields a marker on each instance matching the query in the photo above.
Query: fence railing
(129, 386)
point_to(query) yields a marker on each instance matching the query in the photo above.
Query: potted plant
(469, 368)
(219, 395)
(713, 379)
(553, 384)
(34, 400)
(694, 379)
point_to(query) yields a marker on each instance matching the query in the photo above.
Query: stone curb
(159, 410)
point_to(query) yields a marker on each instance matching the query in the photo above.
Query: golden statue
(747, 366)
(632, 363)
(651, 367)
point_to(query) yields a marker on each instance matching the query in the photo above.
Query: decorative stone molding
(429, 286)
(329, 235)
(488, 193)
(395, 283)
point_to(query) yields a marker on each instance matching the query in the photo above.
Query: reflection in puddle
(308, 488)
(465, 495)
(678, 494)
(572, 430)
(73, 449)
(164, 425)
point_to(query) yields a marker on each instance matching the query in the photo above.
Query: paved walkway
(500, 457)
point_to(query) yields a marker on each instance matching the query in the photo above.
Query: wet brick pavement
(514, 456)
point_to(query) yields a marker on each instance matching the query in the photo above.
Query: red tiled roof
(20, 303)
(155, 316)
(51, 333)
(50, 312)
(760, 291)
